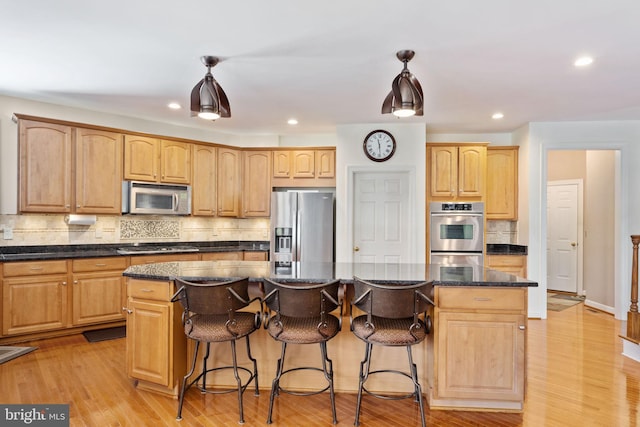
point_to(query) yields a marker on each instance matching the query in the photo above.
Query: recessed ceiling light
(174, 106)
(497, 116)
(292, 121)
(583, 61)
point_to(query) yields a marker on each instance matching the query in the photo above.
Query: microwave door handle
(176, 200)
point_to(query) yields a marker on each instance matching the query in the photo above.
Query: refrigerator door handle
(298, 234)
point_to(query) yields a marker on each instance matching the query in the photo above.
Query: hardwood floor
(576, 377)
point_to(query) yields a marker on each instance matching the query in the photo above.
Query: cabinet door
(45, 167)
(46, 300)
(175, 162)
(325, 164)
(98, 186)
(141, 157)
(228, 182)
(256, 183)
(97, 297)
(443, 171)
(502, 183)
(282, 164)
(148, 341)
(222, 256)
(304, 163)
(512, 264)
(204, 180)
(471, 171)
(496, 369)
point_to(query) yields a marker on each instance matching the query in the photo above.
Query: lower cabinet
(512, 264)
(478, 348)
(156, 344)
(34, 297)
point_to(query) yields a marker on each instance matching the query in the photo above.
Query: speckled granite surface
(505, 249)
(439, 275)
(35, 253)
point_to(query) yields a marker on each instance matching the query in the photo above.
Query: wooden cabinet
(502, 183)
(255, 256)
(512, 264)
(156, 344)
(228, 177)
(456, 172)
(490, 322)
(304, 168)
(256, 184)
(34, 297)
(98, 293)
(204, 180)
(66, 169)
(156, 160)
(222, 256)
(155, 258)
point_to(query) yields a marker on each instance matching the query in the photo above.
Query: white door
(562, 236)
(381, 218)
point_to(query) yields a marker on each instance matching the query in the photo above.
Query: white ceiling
(330, 62)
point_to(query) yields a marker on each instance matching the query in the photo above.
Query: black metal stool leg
(204, 368)
(184, 380)
(238, 380)
(255, 366)
(418, 389)
(364, 374)
(276, 381)
(328, 374)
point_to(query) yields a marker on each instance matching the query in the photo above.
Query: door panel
(562, 237)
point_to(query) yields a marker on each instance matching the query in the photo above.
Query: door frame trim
(580, 230)
(352, 171)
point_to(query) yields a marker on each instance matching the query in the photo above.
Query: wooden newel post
(633, 317)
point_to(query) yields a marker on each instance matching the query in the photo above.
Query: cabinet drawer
(222, 256)
(99, 264)
(506, 260)
(481, 299)
(153, 259)
(34, 268)
(255, 256)
(147, 289)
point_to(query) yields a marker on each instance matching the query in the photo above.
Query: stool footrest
(244, 385)
(302, 393)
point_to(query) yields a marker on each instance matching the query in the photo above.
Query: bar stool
(302, 317)
(392, 318)
(212, 314)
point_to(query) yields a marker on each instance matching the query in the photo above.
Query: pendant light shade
(208, 100)
(405, 98)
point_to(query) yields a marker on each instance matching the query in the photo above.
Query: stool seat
(389, 332)
(303, 330)
(217, 328)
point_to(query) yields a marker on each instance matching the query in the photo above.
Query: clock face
(379, 145)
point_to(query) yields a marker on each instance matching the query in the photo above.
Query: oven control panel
(456, 207)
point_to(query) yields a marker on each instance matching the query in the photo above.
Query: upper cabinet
(502, 183)
(157, 160)
(456, 171)
(304, 168)
(256, 183)
(228, 177)
(204, 180)
(65, 169)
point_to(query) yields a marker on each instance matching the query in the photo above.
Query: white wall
(613, 135)
(9, 136)
(410, 155)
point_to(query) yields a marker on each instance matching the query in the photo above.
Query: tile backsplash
(50, 229)
(500, 231)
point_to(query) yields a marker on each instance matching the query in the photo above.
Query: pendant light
(405, 98)
(208, 100)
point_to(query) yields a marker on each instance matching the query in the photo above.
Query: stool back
(302, 299)
(211, 297)
(392, 300)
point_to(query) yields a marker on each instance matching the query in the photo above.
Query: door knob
(574, 244)
(356, 249)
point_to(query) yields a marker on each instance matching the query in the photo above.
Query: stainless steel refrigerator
(302, 227)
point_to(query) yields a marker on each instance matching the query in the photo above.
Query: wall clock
(379, 145)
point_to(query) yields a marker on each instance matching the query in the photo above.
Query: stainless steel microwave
(155, 199)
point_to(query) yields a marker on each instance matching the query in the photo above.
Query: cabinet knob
(125, 309)
(64, 283)
(521, 327)
(75, 282)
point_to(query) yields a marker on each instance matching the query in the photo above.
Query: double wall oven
(456, 233)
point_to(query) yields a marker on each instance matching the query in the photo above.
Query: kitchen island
(474, 358)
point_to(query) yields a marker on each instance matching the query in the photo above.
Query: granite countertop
(53, 252)
(438, 274)
(505, 249)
